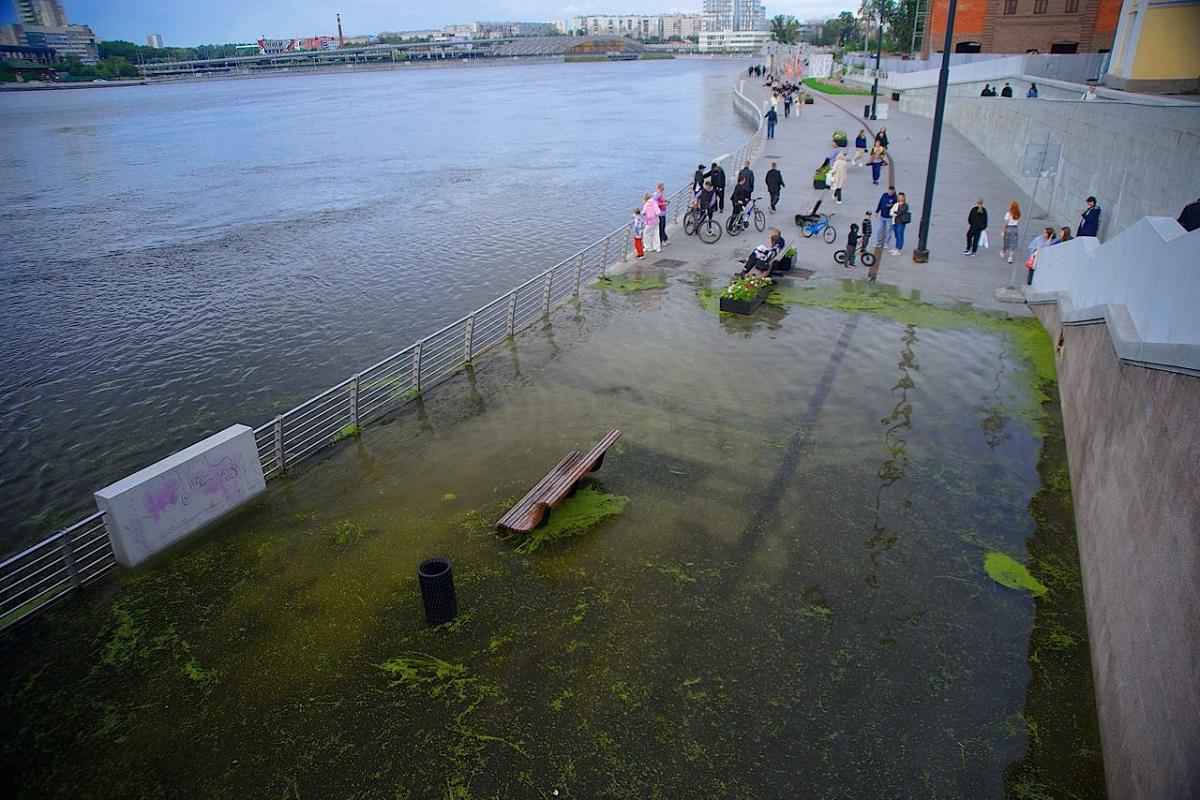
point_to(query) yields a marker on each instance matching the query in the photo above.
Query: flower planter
(746, 306)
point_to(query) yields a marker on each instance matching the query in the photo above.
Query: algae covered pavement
(777, 586)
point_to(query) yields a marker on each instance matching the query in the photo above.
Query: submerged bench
(533, 509)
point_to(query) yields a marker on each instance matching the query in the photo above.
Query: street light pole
(878, 53)
(921, 254)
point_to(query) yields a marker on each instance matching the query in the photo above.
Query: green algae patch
(627, 283)
(710, 301)
(588, 508)
(1007, 571)
(449, 497)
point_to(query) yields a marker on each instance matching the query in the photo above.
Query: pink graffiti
(162, 497)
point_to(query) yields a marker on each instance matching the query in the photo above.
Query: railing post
(279, 461)
(354, 400)
(416, 367)
(604, 259)
(546, 293)
(578, 273)
(468, 337)
(68, 556)
(512, 314)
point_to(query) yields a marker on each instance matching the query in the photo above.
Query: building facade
(49, 13)
(67, 41)
(1024, 26)
(154, 40)
(1157, 47)
(733, 42)
(734, 15)
(659, 26)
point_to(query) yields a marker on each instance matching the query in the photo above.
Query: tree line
(847, 28)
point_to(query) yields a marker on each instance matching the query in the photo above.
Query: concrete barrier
(165, 502)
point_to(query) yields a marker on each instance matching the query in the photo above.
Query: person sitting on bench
(764, 256)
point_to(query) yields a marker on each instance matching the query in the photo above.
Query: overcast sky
(191, 22)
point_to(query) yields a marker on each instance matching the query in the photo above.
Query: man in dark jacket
(1089, 220)
(976, 224)
(748, 174)
(1189, 218)
(698, 179)
(774, 184)
(884, 210)
(717, 176)
(1006, 91)
(740, 196)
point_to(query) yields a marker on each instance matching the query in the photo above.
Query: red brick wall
(1093, 25)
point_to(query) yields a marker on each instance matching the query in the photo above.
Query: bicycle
(865, 257)
(709, 230)
(740, 222)
(818, 225)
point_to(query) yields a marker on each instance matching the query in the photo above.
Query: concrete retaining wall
(1137, 160)
(1133, 441)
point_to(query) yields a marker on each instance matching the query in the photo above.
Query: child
(639, 227)
(851, 245)
(865, 230)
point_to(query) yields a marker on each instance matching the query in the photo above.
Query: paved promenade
(964, 174)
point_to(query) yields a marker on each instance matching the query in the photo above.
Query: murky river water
(791, 604)
(174, 259)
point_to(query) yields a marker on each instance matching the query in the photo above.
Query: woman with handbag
(901, 216)
(1044, 240)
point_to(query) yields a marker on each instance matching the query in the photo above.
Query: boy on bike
(740, 197)
(705, 202)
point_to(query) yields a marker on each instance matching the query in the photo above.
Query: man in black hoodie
(977, 222)
(748, 174)
(698, 179)
(774, 184)
(717, 176)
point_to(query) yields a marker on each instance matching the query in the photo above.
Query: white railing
(76, 555)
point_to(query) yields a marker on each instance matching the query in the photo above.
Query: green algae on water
(576, 515)
(1007, 571)
(624, 283)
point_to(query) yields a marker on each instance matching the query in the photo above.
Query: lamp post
(878, 53)
(921, 254)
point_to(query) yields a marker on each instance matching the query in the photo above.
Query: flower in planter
(746, 288)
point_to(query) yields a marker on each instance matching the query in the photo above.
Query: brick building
(1024, 26)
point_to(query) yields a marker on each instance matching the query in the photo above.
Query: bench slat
(513, 517)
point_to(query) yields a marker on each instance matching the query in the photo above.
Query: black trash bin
(867, 111)
(437, 590)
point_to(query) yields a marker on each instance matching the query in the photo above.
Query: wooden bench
(560, 483)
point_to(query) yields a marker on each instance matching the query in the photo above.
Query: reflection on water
(725, 636)
(177, 258)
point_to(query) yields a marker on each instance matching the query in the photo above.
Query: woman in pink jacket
(650, 213)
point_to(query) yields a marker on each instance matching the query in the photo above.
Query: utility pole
(921, 254)
(878, 53)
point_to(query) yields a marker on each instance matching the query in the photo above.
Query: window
(1039, 6)
(1072, 6)
(1010, 6)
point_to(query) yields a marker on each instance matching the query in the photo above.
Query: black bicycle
(740, 222)
(865, 256)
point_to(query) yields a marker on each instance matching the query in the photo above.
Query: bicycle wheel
(760, 220)
(839, 256)
(689, 223)
(830, 234)
(806, 231)
(709, 231)
(868, 258)
(734, 226)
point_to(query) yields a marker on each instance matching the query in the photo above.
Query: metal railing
(76, 555)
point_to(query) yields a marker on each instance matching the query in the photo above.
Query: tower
(40, 12)
(341, 39)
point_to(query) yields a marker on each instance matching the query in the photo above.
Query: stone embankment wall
(1137, 160)
(1128, 359)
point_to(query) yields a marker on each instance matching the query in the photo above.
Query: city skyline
(186, 23)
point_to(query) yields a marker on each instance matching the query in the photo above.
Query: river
(178, 257)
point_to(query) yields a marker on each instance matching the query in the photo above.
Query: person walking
(1032, 93)
(650, 217)
(787, 103)
(1089, 220)
(748, 174)
(977, 222)
(717, 176)
(860, 149)
(660, 197)
(639, 229)
(1006, 91)
(881, 138)
(772, 118)
(884, 209)
(1012, 219)
(774, 184)
(878, 159)
(838, 176)
(901, 216)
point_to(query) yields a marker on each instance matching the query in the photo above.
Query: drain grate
(670, 263)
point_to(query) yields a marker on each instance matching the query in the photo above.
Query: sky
(191, 22)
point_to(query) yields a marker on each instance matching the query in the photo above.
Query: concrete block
(165, 502)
